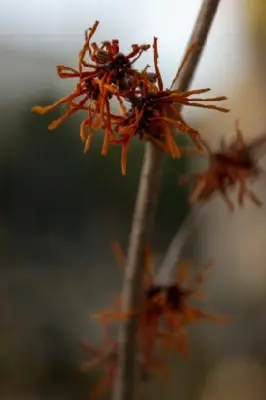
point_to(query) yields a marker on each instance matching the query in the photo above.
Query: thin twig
(143, 219)
(173, 252)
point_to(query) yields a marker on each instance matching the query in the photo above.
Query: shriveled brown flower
(154, 112)
(164, 312)
(232, 165)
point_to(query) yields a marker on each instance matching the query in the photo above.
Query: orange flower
(169, 307)
(107, 74)
(231, 165)
(154, 113)
(177, 311)
(164, 311)
(149, 315)
(82, 99)
(112, 70)
(104, 73)
(110, 65)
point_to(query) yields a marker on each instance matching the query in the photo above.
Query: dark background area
(60, 212)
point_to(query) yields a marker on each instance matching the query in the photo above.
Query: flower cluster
(147, 110)
(163, 316)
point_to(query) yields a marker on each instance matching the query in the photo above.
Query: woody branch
(143, 218)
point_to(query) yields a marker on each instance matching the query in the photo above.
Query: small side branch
(177, 243)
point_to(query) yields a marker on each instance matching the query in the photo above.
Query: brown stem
(143, 219)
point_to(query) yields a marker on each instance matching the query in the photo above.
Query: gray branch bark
(143, 219)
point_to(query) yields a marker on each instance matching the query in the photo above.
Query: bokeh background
(61, 209)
